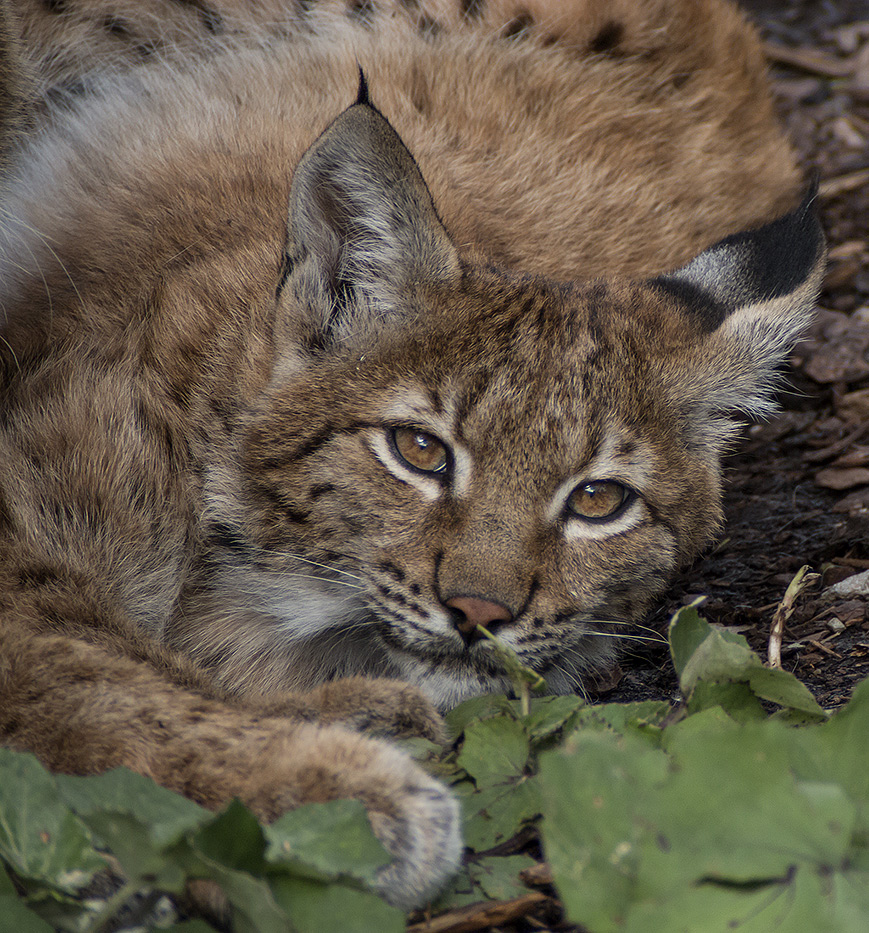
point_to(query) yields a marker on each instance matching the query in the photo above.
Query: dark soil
(798, 487)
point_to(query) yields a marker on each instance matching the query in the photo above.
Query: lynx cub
(256, 457)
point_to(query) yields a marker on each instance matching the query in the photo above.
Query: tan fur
(205, 522)
(17, 84)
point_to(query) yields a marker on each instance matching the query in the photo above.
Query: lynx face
(447, 447)
(484, 476)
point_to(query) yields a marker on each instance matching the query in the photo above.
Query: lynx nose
(469, 612)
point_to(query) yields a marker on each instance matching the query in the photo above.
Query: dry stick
(481, 916)
(825, 453)
(856, 563)
(842, 184)
(811, 60)
(785, 610)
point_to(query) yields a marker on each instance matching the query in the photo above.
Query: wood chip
(853, 407)
(833, 450)
(857, 456)
(855, 504)
(842, 361)
(846, 133)
(842, 479)
(858, 563)
(807, 59)
(842, 184)
(481, 916)
(850, 249)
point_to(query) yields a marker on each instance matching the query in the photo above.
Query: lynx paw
(421, 828)
(415, 817)
(382, 707)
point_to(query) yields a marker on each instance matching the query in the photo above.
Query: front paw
(415, 817)
(418, 822)
(378, 706)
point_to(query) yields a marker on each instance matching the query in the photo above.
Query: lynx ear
(363, 229)
(754, 293)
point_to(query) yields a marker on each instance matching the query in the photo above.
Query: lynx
(306, 377)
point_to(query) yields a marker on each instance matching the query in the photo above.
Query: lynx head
(446, 446)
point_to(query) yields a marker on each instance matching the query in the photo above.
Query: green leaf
(40, 838)
(138, 820)
(688, 630)
(703, 652)
(314, 907)
(168, 815)
(643, 718)
(495, 750)
(549, 715)
(254, 908)
(497, 813)
(327, 841)
(233, 838)
(593, 791)
(783, 688)
(191, 926)
(230, 851)
(491, 877)
(763, 821)
(475, 710)
(786, 906)
(839, 749)
(15, 917)
(751, 825)
(738, 700)
(498, 876)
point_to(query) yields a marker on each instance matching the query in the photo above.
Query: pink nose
(478, 612)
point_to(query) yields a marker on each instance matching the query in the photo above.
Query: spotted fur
(227, 296)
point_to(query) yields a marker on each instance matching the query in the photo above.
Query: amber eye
(421, 450)
(599, 499)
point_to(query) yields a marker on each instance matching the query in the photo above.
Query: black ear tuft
(362, 94)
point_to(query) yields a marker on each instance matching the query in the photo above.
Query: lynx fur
(298, 393)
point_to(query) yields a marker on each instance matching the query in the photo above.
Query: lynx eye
(420, 450)
(598, 500)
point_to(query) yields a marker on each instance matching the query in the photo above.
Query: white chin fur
(446, 688)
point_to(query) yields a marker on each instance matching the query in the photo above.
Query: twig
(481, 916)
(822, 647)
(810, 60)
(856, 563)
(842, 184)
(832, 450)
(785, 610)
